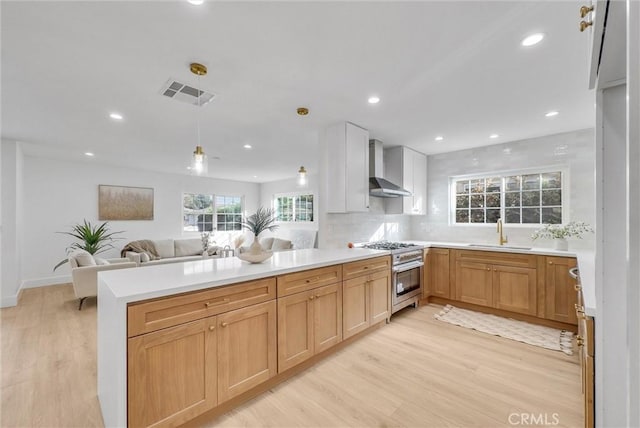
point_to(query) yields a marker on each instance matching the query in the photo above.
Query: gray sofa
(171, 251)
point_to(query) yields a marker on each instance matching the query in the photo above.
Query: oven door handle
(407, 266)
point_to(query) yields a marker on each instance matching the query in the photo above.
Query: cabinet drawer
(495, 257)
(302, 281)
(585, 331)
(161, 313)
(363, 267)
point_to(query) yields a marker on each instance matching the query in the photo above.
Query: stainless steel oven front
(406, 283)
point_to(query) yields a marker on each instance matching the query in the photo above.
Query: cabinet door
(438, 272)
(327, 315)
(473, 283)
(357, 169)
(172, 374)
(419, 184)
(514, 289)
(295, 329)
(355, 308)
(407, 180)
(247, 344)
(379, 296)
(560, 295)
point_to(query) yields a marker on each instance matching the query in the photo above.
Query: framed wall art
(125, 203)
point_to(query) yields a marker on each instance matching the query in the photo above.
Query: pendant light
(302, 177)
(199, 162)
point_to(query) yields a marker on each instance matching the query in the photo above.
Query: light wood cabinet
(408, 169)
(560, 295)
(437, 274)
(366, 298)
(247, 341)
(503, 282)
(172, 374)
(308, 323)
(347, 150)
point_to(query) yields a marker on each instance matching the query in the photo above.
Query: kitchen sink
(509, 247)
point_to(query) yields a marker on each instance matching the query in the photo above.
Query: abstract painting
(125, 203)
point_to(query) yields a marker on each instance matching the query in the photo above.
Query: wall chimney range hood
(378, 186)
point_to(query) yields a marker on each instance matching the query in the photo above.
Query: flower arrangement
(205, 237)
(573, 229)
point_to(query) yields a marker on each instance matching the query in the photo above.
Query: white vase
(561, 244)
(255, 247)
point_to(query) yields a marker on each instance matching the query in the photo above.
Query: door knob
(224, 324)
(212, 327)
(584, 25)
(584, 11)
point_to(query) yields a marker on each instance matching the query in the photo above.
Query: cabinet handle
(495, 270)
(577, 287)
(584, 25)
(209, 304)
(223, 324)
(579, 308)
(312, 297)
(550, 263)
(212, 327)
(365, 267)
(314, 279)
(584, 11)
(488, 269)
(579, 340)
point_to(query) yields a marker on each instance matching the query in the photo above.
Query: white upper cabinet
(408, 169)
(347, 151)
(604, 23)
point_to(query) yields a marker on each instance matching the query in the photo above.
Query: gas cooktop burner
(389, 246)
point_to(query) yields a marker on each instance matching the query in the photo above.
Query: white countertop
(130, 285)
(499, 248)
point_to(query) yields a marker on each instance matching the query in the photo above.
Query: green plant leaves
(93, 239)
(263, 219)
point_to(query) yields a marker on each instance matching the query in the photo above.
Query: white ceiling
(447, 68)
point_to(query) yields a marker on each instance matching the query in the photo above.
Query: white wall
(575, 149)
(12, 220)
(59, 194)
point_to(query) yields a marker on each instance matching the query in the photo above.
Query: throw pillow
(83, 258)
(213, 250)
(281, 244)
(100, 261)
(144, 257)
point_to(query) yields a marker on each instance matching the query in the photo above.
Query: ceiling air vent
(183, 92)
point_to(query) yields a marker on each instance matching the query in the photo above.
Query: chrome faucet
(503, 239)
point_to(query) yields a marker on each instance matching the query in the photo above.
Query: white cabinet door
(347, 152)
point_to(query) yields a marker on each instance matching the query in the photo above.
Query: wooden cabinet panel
(438, 273)
(560, 295)
(327, 315)
(355, 306)
(364, 267)
(474, 283)
(497, 257)
(379, 296)
(246, 348)
(156, 314)
(172, 374)
(295, 329)
(514, 289)
(302, 281)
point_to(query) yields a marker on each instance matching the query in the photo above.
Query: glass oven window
(407, 281)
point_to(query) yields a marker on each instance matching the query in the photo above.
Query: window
(294, 207)
(531, 198)
(198, 212)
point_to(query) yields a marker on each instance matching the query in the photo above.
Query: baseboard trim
(42, 282)
(7, 302)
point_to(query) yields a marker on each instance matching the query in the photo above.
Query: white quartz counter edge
(490, 247)
(130, 285)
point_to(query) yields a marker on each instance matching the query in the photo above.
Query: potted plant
(93, 239)
(559, 233)
(263, 219)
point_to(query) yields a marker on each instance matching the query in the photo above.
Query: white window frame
(214, 212)
(274, 205)
(566, 197)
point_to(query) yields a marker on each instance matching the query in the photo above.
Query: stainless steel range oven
(407, 273)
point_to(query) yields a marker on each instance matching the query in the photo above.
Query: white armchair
(85, 278)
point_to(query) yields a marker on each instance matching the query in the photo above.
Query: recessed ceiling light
(374, 100)
(89, 154)
(552, 113)
(533, 39)
(189, 167)
(196, 2)
(247, 146)
(115, 116)
(493, 136)
(255, 176)
(439, 138)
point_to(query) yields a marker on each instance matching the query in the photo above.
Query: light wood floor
(414, 372)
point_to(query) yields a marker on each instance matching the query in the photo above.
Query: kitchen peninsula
(211, 324)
